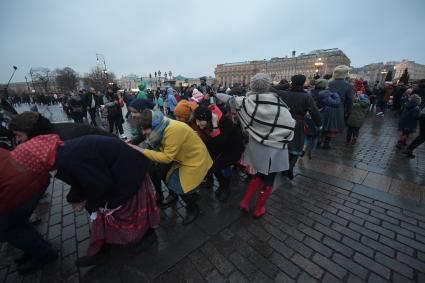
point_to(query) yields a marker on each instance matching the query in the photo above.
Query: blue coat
(345, 91)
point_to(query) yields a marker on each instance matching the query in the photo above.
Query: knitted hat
(203, 113)
(298, 80)
(321, 83)
(141, 104)
(260, 83)
(341, 72)
(184, 108)
(197, 96)
(415, 98)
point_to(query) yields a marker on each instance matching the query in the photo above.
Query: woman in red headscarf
(24, 177)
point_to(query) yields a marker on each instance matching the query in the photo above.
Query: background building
(416, 71)
(319, 62)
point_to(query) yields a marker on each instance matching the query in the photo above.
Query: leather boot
(192, 209)
(259, 209)
(255, 184)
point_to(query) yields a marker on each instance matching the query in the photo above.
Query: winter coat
(358, 113)
(409, 117)
(104, 171)
(345, 91)
(299, 103)
(331, 111)
(171, 99)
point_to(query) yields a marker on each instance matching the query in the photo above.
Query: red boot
(259, 209)
(255, 184)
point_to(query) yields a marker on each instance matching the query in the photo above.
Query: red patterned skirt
(127, 224)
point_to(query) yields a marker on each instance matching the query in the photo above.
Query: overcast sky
(190, 37)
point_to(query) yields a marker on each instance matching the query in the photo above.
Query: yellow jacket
(182, 146)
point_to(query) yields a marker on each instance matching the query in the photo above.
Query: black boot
(192, 209)
(33, 265)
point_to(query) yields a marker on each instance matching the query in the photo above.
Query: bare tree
(42, 79)
(99, 79)
(66, 79)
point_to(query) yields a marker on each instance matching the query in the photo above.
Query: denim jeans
(16, 229)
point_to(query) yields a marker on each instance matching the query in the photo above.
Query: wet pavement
(351, 214)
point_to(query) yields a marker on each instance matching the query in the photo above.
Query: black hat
(298, 80)
(203, 78)
(203, 113)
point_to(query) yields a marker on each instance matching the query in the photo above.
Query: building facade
(318, 62)
(416, 71)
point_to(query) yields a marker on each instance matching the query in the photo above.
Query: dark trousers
(114, 122)
(222, 171)
(352, 132)
(268, 180)
(16, 229)
(419, 139)
(92, 113)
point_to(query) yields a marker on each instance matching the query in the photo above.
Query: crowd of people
(181, 140)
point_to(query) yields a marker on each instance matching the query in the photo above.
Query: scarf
(38, 154)
(159, 123)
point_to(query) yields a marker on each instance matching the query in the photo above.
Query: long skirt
(126, 224)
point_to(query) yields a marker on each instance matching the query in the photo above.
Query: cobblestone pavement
(320, 227)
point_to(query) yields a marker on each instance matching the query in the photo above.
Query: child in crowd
(312, 133)
(357, 116)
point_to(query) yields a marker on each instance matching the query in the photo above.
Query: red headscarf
(38, 154)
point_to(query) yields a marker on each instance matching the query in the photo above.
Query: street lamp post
(7, 86)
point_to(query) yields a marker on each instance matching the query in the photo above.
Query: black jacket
(103, 171)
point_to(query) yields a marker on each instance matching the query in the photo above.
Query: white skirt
(265, 159)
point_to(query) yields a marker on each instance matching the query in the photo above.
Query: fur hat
(197, 96)
(341, 72)
(184, 108)
(415, 98)
(321, 83)
(298, 80)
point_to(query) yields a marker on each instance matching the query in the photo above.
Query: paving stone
(308, 266)
(55, 219)
(350, 265)
(385, 217)
(284, 265)
(237, 277)
(281, 247)
(214, 276)
(372, 207)
(396, 245)
(306, 278)
(310, 232)
(81, 220)
(387, 206)
(328, 231)
(397, 229)
(413, 228)
(54, 231)
(320, 219)
(373, 278)
(336, 218)
(348, 232)
(338, 246)
(401, 217)
(299, 247)
(244, 265)
(412, 262)
(372, 265)
(82, 233)
(354, 279)
(218, 260)
(328, 278)
(275, 232)
(67, 220)
(201, 262)
(68, 232)
(69, 247)
(264, 265)
(283, 278)
(261, 247)
(318, 247)
(411, 243)
(400, 278)
(329, 265)
(351, 217)
(357, 246)
(395, 265)
(357, 207)
(378, 246)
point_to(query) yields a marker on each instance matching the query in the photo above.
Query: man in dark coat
(299, 103)
(92, 102)
(343, 88)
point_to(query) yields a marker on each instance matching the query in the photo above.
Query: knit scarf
(159, 123)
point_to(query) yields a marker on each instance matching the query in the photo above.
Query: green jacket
(358, 113)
